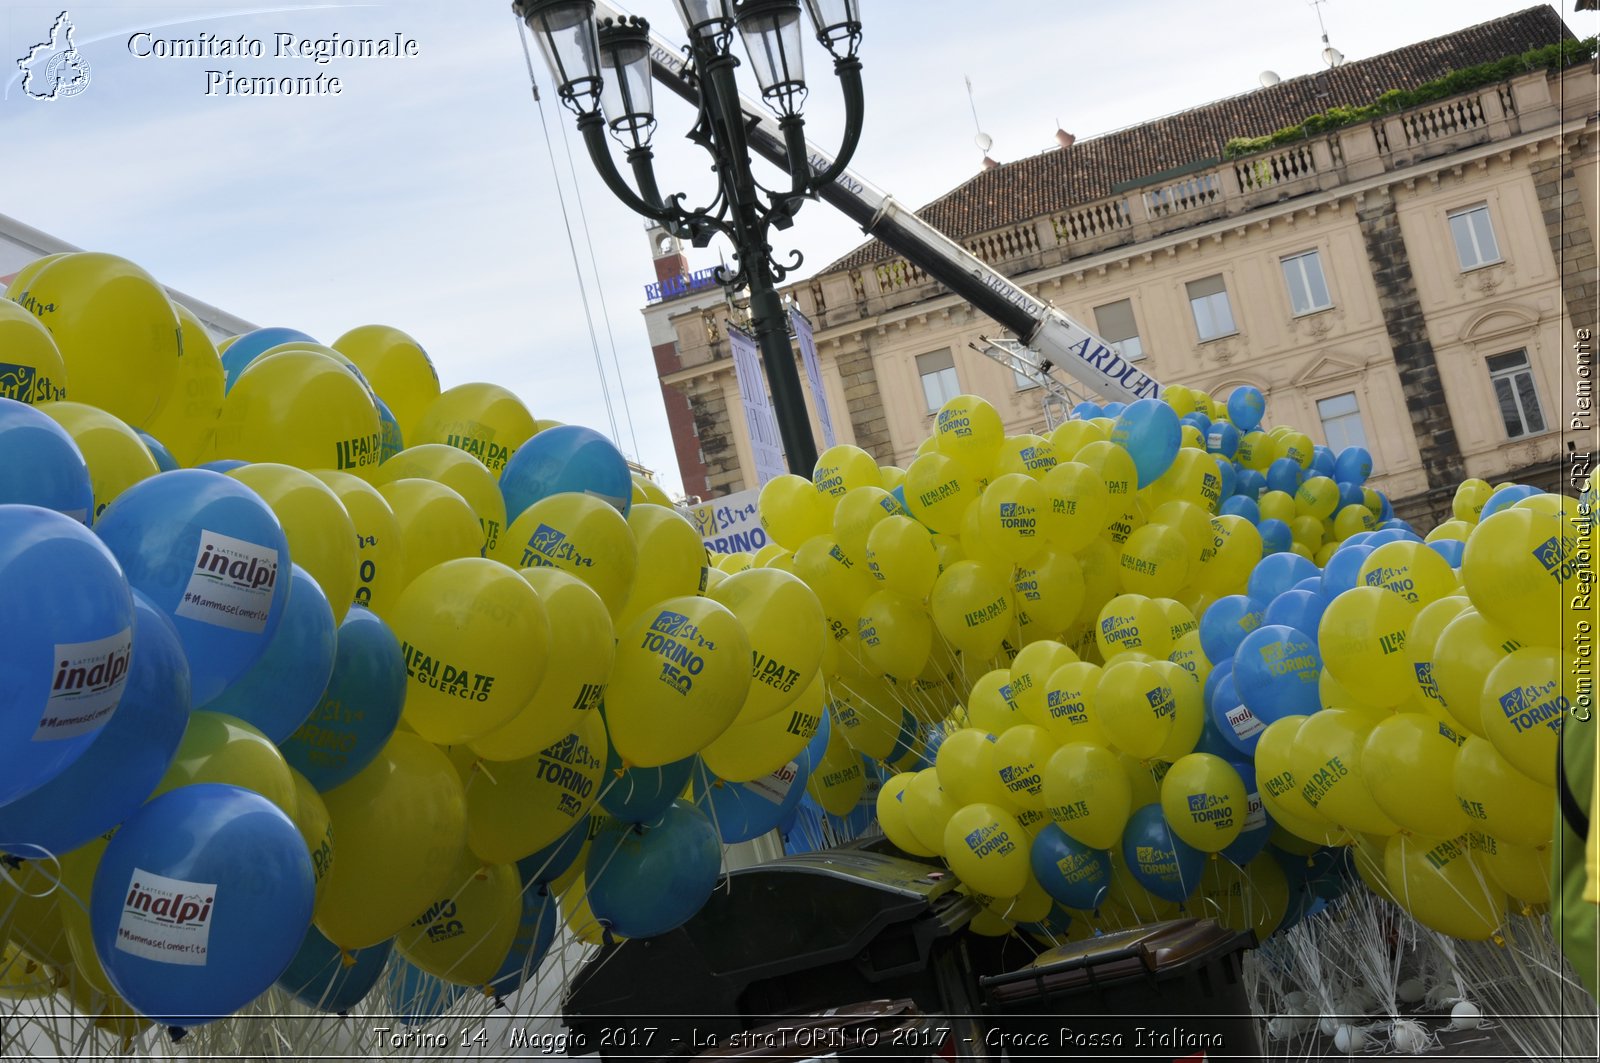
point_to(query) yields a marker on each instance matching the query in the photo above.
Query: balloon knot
(347, 958)
(1499, 940)
(620, 772)
(716, 784)
(10, 860)
(482, 874)
(177, 1033)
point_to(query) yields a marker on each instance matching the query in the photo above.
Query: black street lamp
(602, 74)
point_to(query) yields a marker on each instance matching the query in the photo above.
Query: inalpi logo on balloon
(54, 69)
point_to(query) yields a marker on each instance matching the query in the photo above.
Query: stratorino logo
(54, 69)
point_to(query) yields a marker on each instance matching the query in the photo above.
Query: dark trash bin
(1166, 991)
(793, 936)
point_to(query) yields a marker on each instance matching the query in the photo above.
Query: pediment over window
(1324, 368)
(1498, 323)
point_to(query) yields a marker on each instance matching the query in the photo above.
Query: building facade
(1422, 282)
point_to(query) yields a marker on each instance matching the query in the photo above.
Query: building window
(1474, 236)
(1213, 317)
(939, 383)
(1116, 326)
(1308, 290)
(1341, 422)
(1512, 378)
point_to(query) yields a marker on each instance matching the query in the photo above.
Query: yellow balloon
(1282, 789)
(515, 808)
(987, 850)
(1327, 761)
(1029, 454)
(436, 525)
(866, 716)
(843, 468)
(1070, 437)
(32, 903)
(976, 545)
(838, 582)
(459, 471)
(859, 511)
(580, 534)
(1079, 504)
(401, 824)
(784, 622)
(115, 328)
(928, 809)
(303, 409)
(1467, 505)
(380, 554)
(1521, 568)
(464, 934)
(1012, 515)
(896, 634)
(938, 489)
(972, 607)
(582, 649)
(1069, 711)
(1422, 639)
(1525, 699)
(1443, 887)
(1204, 801)
(116, 456)
(1254, 898)
(968, 428)
(485, 420)
(1468, 650)
(681, 676)
(1133, 622)
(1414, 571)
(220, 748)
(1049, 592)
(1154, 561)
(792, 511)
(322, 538)
(396, 367)
(963, 767)
(1352, 520)
(1520, 870)
(900, 553)
(476, 640)
(1408, 765)
(23, 277)
(311, 819)
(1226, 563)
(892, 816)
(77, 884)
(1362, 638)
(1017, 759)
(990, 705)
(1088, 794)
(1189, 712)
(1031, 670)
(839, 779)
(750, 750)
(1499, 799)
(34, 371)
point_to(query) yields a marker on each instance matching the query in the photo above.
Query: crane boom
(1057, 339)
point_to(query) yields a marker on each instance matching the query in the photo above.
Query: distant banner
(758, 416)
(808, 352)
(731, 524)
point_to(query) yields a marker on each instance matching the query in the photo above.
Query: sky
(433, 194)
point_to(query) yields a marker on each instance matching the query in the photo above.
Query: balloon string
(481, 765)
(13, 861)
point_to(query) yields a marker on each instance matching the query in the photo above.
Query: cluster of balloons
(316, 672)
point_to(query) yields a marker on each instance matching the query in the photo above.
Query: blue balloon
(1148, 430)
(320, 977)
(1322, 463)
(535, 932)
(208, 871)
(1113, 409)
(1245, 408)
(1070, 872)
(359, 708)
(1352, 466)
(1396, 524)
(641, 795)
(744, 810)
(1285, 475)
(1276, 671)
(43, 465)
(1452, 550)
(280, 690)
(1054, 926)
(242, 351)
(127, 757)
(1310, 583)
(1298, 609)
(420, 997)
(1199, 421)
(899, 494)
(1220, 670)
(1229, 478)
(165, 462)
(1344, 567)
(1251, 482)
(1391, 535)
(566, 458)
(1236, 726)
(390, 439)
(1086, 411)
(547, 865)
(1238, 505)
(1211, 740)
(1276, 537)
(811, 755)
(1258, 826)
(208, 552)
(66, 639)
(1351, 495)
(645, 881)
(1223, 439)
(1161, 862)
(1225, 624)
(1278, 573)
(1385, 508)
(223, 465)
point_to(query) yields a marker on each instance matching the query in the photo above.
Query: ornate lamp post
(602, 74)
